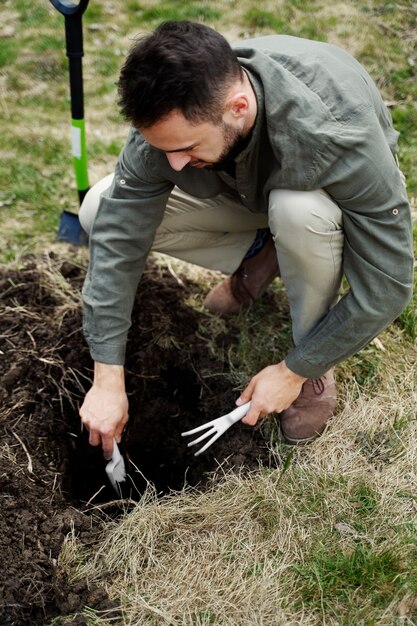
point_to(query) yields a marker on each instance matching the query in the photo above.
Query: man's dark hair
(181, 65)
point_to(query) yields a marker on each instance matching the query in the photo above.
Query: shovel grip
(70, 7)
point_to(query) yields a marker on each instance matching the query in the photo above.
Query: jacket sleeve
(122, 235)
(378, 251)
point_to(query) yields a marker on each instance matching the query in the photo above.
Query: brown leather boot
(246, 284)
(307, 417)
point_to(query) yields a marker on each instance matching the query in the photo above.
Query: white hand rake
(216, 427)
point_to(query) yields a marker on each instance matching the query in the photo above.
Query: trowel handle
(116, 456)
(237, 414)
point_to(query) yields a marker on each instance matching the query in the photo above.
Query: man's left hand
(272, 390)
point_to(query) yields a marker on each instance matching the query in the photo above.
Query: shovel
(70, 229)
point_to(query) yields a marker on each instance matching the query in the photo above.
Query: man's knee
(301, 218)
(89, 206)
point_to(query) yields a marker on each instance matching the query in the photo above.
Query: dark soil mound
(51, 479)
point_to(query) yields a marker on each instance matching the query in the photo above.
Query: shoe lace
(318, 385)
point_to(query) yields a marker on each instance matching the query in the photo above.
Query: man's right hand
(105, 408)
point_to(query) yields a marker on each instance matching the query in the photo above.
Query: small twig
(108, 505)
(32, 339)
(148, 483)
(204, 384)
(177, 278)
(95, 495)
(30, 466)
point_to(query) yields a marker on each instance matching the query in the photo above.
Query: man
(279, 133)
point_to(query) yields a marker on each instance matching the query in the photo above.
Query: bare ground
(52, 481)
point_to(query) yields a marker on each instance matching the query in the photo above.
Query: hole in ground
(153, 448)
(174, 384)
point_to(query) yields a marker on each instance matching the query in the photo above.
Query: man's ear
(237, 105)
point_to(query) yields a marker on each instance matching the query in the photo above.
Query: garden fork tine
(216, 427)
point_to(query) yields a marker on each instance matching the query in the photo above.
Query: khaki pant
(216, 233)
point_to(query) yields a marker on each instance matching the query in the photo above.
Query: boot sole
(293, 441)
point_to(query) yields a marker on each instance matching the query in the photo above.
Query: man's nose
(177, 160)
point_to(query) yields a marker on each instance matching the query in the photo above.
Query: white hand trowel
(115, 469)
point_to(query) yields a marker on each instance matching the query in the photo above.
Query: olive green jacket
(321, 123)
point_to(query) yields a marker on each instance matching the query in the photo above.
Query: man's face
(198, 145)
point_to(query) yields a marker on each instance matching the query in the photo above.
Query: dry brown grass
(233, 554)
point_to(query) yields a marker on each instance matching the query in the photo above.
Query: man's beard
(234, 143)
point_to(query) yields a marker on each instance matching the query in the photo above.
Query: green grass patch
(257, 18)
(48, 42)
(405, 121)
(404, 83)
(8, 51)
(363, 499)
(98, 147)
(335, 577)
(407, 320)
(365, 367)
(303, 5)
(251, 356)
(107, 64)
(178, 10)
(95, 13)
(47, 66)
(312, 28)
(32, 14)
(132, 6)
(45, 151)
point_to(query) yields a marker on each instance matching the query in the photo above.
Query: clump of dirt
(51, 479)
